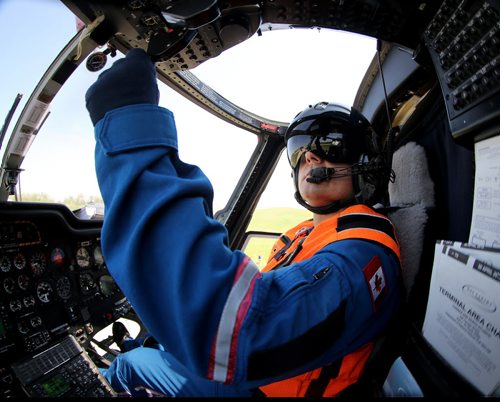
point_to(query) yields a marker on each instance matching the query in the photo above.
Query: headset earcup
(371, 183)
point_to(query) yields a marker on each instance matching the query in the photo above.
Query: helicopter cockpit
(431, 78)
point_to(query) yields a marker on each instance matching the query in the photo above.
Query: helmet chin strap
(324, 209)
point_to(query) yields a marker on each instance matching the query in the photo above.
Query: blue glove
(129, 81)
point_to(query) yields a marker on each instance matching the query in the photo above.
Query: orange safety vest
(300, 243)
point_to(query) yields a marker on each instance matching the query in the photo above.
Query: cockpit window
(58, 165)
(277, 74)
(273, 75)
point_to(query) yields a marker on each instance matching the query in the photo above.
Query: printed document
(485, 227)
(462, 320)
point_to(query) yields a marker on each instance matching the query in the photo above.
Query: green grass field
(271, 220)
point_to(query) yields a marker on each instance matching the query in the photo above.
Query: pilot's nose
(311, 157)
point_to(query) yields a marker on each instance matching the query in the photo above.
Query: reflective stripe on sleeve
(223, 356)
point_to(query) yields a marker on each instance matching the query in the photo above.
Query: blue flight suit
(216, 315)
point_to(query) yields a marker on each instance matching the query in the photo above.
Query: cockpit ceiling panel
(183, 34)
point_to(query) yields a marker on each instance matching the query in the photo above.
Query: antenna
(379, 49)
(390, 134)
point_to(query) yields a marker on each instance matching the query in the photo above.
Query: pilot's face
(325, 192)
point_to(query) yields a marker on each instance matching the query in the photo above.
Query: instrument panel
(53, 281)
(464, 44)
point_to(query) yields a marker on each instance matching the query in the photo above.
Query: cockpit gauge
(28, 301)
(38, 263)
(57, 257)
(23, 281)
(82, 257)
(98, 258)
(96, 61)
(9, 285)
(15, 305)
(35, 321)
(63, 287)
(87, 283)
(19, 261)
(23, 327)
(107, 285)
(44, 292)
(5, 263)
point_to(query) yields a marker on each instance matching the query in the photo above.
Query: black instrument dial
(96, 61)
(23, 281)
(107, 285)
(98, 258)
(9, 285)
(82, 257)
(87, 283)
(23, 327)
(45, 292)
(36, 321)
(19, 261)
(5, 264)
(38, 263)
(28, 301)
(15, 305)
(63, 287)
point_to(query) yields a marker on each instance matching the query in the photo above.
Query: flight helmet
(338, 134)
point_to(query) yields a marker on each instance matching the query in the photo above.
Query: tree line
(73, 202)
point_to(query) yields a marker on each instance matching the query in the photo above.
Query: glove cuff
(122, 129)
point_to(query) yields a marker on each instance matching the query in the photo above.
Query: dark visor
(330, 147)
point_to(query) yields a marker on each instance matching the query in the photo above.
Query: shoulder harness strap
(368, 226)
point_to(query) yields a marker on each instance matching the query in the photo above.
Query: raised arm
(207, 304)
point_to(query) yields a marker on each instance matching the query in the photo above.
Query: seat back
(411, 198)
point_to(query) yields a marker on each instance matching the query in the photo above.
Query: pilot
(303, 326)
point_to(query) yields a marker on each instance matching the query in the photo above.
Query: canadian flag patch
(375, 279)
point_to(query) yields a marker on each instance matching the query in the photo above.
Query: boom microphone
(321, 174)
